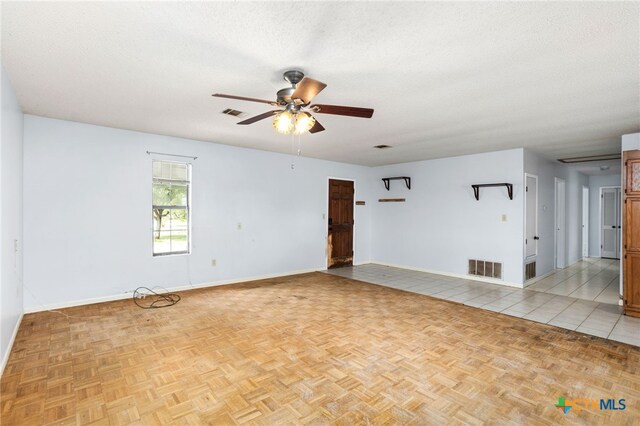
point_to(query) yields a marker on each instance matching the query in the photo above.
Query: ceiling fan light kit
(304, 123)
(283, 122)
(295, 101)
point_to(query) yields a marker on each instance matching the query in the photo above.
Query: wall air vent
(233, 112)
(485, 268)
(382, 146)
(590, 158)
(530, 270)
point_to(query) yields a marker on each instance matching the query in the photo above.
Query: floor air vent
(529, 270)
(484, 268)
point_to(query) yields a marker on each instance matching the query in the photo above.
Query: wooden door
(631, 227)
(340, 234)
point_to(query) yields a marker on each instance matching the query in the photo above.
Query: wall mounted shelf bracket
(476, 188)
(407, 181)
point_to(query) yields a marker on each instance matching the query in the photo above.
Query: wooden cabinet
(632, 284)
(631, 227)
(632, 174)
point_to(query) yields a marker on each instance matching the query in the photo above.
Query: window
(170, 209)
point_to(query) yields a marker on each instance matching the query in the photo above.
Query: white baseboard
(128, 294)
(451, 274)
(5, 357)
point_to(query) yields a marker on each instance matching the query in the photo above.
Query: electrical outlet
(15, 246)
(213, 262)
(504, 217)
(239, 226)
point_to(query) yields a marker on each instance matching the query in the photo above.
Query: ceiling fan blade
(307, 89)
(317, 127)
(242, 98)
(343, 110)
(260, 117)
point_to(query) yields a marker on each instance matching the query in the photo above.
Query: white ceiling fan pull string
(293, 158)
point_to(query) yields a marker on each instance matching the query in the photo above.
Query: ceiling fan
(293, 115)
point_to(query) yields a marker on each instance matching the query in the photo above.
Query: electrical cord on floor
(158, 300)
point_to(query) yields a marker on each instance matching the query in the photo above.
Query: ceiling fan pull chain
(293, 158)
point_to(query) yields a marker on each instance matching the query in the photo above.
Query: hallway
(592, 279)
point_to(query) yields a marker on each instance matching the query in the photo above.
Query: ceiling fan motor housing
(284, 95)
(293, 76)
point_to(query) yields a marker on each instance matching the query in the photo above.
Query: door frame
(619, 210)
(326, 218)
(556, 264)
(585, 220)
(524, 242)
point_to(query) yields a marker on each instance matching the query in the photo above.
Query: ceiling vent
(382, 146)
(587, 159)
(233, 112)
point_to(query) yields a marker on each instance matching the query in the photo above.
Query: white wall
(10, 218)
(630, 141)
(441, 225)
(595, 183)
(87, 215)
(87, 221)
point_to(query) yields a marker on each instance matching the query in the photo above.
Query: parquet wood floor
(308, 349)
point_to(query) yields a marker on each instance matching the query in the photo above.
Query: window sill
(185, 253)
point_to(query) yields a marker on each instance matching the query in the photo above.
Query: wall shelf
(476, 188)
(387, 181)
(392, 200)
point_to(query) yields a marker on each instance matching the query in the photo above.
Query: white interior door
(560, 234)
(610, 223)
(531, 216)
(619, 217)
(585, 221)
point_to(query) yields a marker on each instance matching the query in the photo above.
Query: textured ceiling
(445, 79)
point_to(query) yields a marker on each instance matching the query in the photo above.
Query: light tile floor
(586, 316)
(590, 279)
